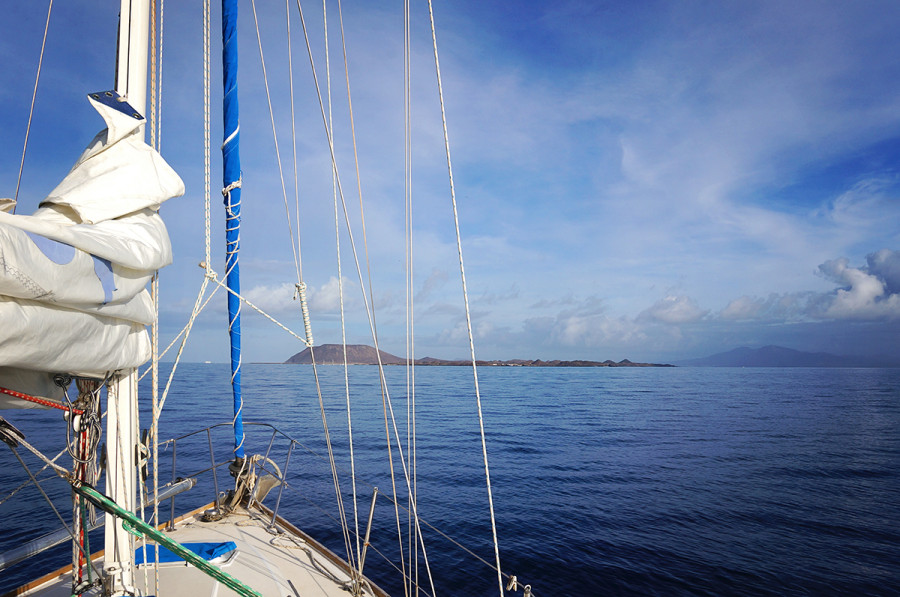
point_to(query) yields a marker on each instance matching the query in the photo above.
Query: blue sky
(650, 180)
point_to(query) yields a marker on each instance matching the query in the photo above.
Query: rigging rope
(462, 273)
(28, 482)
(84, 452)
(37, 78)
(341, 276)
(345, 527)
(156, 141)
(290, 53)
(412, 530)
(275, 138)
(12, 437)
(385, 395)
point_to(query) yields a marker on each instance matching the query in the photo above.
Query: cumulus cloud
(271, 299)
(279, 299)
(744, 307)
(674, 309)
(865, 293)
(788, 306)
(885, 264)
(870, 292)
(586, 323)
(327, 297)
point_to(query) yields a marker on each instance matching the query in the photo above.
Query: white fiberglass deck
(286, 564)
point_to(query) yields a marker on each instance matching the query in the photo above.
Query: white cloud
(886, 265)
(587, 324)
(866, 293)
(789, 306)
(744, 307)
(674, 310)
(432, 284)
(327, 297)
(280, 299)
(864, 296)
(274, 300)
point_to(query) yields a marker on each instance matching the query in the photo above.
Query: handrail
(222, 424)
(45, 542)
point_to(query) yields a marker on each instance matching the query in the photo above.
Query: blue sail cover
(207, 551)
(231, 179)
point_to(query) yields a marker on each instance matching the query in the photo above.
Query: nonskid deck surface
(286, 563)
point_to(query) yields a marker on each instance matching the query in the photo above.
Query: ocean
(606, 481)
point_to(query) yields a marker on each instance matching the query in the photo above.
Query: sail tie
(235, 185)
(226, 192)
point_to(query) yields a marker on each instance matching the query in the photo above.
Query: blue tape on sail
(103, 269)
(55, 251)
(115, 101)
(207, 551)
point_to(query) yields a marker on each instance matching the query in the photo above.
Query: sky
(646, 180)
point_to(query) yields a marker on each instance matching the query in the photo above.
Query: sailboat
(75, 306)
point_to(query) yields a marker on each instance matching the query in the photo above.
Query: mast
(231, 174)
(122, 411)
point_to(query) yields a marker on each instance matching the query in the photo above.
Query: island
(362, 354)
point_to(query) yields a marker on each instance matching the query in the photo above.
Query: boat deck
(286, 562)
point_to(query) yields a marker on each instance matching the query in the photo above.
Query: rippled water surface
(606, 481)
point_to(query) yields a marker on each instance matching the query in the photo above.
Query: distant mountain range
(361, 354)
(779, 356)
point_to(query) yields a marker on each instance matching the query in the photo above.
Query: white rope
(28, 482)
(154, 429)
(385, 395)
(37, 78)
(244, 300)
(187, 333)
(352, 557)
(162, 21)
(385, 392)
(341, 298)
(462, 274)
(275, 139)
(287, 20)
(155, 130)
(206, 134)
(410, 325)
(185, 329)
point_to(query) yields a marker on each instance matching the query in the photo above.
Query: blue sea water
(607, 481)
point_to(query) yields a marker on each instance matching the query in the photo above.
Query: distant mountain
(779, 356)
(360, 354)
(333, 354)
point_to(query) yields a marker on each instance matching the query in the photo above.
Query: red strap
(41, 401)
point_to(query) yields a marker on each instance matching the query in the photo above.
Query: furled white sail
(73, 275)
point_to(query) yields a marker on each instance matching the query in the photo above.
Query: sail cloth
(73, 275)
